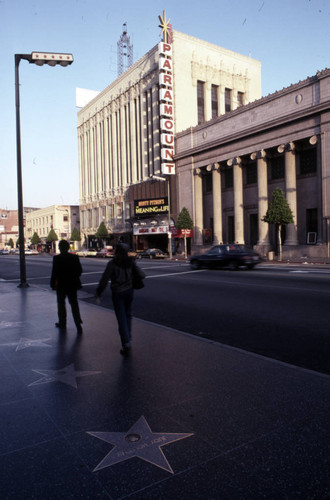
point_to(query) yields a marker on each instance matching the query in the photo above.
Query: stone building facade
(228, 168)
(9, 225)
(61, 218)
(119, 131)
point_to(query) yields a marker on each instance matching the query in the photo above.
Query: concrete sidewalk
(182, 418)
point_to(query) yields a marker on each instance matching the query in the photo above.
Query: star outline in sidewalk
(66, 375)
(140, 442)
(25, 343)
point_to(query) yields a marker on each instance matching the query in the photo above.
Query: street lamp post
(38, 58)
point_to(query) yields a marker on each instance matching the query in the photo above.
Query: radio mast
(124, 51)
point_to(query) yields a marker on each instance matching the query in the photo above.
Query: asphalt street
(278, 311)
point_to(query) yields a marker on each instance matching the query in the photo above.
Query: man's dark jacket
(66, 272)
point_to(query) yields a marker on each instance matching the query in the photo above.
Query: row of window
(215, 105)
(306, 161)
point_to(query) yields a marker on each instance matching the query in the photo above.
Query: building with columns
(227, 169)
(119, 135)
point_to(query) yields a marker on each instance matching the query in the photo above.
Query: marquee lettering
(166, 109)
(166, 124)
(165, 79)
(166, 95)
(167, 139)
(165, 48)
(167, 154)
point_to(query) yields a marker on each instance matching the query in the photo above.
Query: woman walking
(120, 271)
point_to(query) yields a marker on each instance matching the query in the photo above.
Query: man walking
(65, 279)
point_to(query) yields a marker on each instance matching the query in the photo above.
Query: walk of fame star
(10, 324)
(25, 343)
(139, 442)
(67, 375)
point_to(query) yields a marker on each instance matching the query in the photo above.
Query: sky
(291, 38)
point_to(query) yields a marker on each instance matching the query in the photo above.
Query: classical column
(198, 205)
(238, 199)
(133, 136)
(217, 204)
(291, 192)
(221, 104)
(208, 101)
(122, 133)
(316, 141)
(106, 150)
(114, 166)
(263, 227)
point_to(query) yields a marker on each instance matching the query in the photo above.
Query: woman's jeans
(122, 303)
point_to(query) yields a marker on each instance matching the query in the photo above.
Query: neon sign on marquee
(166, 107)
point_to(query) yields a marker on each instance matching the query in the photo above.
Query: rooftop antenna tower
(124, 51)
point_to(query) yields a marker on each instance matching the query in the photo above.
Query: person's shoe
(125, 351)
(79, 330)
(62, 326)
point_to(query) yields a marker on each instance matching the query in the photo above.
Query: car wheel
(250, 266)
(233, 266)
(195, 264)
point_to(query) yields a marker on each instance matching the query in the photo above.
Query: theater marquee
(148, 208)
(166, 107)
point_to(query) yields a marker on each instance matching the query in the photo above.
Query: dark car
(230, 256)
(152, 253)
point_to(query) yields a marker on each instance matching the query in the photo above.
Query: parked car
(230, 256)
(105, 253)
(29, 251)
(87, 253)
(152, 253)
(4, 252)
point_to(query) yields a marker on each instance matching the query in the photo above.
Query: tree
(11, 243)
(75, 236)
(278, 213)
(184, 222)
(35, 239)
(102, 232)
(52, 236)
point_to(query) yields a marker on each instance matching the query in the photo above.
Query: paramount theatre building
(126, 136)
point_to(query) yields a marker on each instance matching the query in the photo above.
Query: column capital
(258, 154)
(234, 161)
(289, 146)
(313, 140)
(198, 171)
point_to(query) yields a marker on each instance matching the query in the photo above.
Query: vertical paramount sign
(166, 107)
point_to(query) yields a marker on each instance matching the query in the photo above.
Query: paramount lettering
(166, 124)
(165, 79)
(166, 95)
(166, 109)
(165, 48)
(167, 139)
(167, 154)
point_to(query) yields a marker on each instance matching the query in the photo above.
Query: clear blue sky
(291, 38)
